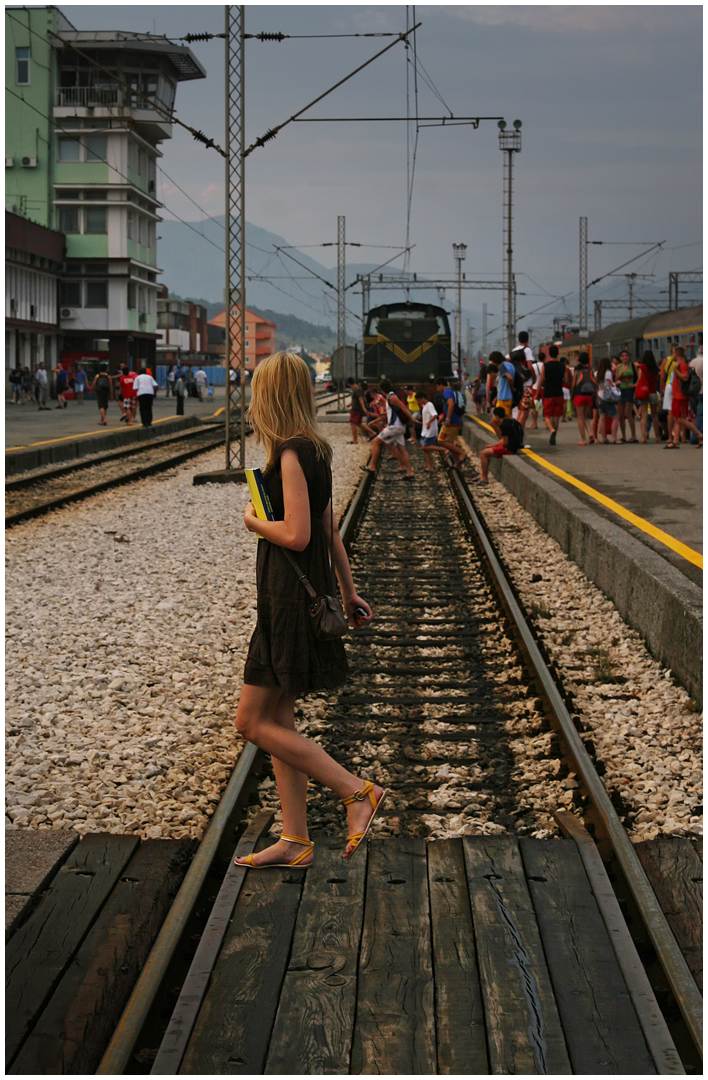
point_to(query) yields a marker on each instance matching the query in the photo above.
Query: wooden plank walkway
(463, 956)
(71, 966)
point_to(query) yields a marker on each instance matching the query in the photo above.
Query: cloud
(571, 19)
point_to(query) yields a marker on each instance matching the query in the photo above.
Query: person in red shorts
(680, 403)
(357, 411)
(583, 393)
(130, 401)
(550, 388)
(510, 442)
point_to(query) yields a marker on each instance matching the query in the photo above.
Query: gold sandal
(359, 796)
(307, 844)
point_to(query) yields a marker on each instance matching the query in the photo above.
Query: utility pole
(234, 293)
(510, 144)
(341, 307)
(583, 282)
(235, 240)
(484, 332)
(459, 252)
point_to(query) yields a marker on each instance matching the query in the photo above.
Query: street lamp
(510, 143)
(459, 252)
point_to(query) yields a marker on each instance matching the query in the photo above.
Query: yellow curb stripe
(218, 412)
(82, 435)
(640, 523)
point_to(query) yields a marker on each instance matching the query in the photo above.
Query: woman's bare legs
(260, 719)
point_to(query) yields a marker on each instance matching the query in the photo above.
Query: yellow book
(259, 496)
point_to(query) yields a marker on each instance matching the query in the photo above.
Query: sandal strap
(303, 855)
(355, 838)
(296, 840)
(359, 796)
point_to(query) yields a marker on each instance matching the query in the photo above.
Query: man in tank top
(550, 387)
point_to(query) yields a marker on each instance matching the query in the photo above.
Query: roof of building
(220, 319)
(181, 57)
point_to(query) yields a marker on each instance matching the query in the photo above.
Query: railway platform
(26, 426)
(666, 493)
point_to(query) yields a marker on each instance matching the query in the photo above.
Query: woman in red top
(646, 396)
(680, 403)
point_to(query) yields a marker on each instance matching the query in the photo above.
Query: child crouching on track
(429, 433)
(511, 440)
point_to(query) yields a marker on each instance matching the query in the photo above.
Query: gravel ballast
(642, 728)
(128, 617)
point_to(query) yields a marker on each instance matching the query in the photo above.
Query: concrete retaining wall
(19, 461)
(651, 595)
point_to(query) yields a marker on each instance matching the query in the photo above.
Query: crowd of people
(133, 391)
(613, 399)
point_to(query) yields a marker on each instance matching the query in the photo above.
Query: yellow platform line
(686, 552)
(83, 435)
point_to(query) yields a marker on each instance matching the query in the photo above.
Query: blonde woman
(285, 660)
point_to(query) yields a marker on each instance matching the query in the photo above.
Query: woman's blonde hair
(283, 405)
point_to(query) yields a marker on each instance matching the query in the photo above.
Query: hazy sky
(610, 98)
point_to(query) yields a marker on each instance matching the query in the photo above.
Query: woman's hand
(250, 518)
(353, 602)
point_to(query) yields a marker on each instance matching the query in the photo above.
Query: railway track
(435, 694)
(43, 490)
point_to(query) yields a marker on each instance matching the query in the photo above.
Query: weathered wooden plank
(459, 1015)
(39, 953)
(236, 1018)
(314, 1025)
(675, 871)
(73, 1031)
(395, 1022)
(601, 1029)
(524, 1033)
(184, 1015)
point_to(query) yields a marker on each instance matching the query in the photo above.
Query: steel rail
(677, 971)
(25, 480)
(126, 1034)
(39, 509)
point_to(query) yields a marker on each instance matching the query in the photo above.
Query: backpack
(586, 387)
(515, 434)
(691, 387)
(517, 390)
(104, 383)
(459, 405)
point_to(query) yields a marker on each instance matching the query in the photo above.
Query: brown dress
(284, 652)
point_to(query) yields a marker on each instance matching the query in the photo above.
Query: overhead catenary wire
(272, 132)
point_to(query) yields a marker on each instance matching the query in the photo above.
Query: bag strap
(302, 578)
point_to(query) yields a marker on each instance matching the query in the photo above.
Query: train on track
(655, 332)
(406, 342)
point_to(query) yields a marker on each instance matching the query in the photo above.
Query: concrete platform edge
(651, 595)
(37, 457)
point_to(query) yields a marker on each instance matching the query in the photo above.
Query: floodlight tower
(510, 144)
(459, 252)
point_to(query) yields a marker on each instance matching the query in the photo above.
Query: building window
(95, 196)
(69, 219)
(96, 147)
(23, 66)
(131, 296)
(69, 150)
(95, 219)
(97, 294)
(131, 224)
(70, 294)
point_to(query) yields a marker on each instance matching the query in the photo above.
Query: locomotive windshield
(398, 319)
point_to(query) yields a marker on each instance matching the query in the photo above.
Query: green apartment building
(85, 114)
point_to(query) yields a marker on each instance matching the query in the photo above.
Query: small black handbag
(328, 619)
